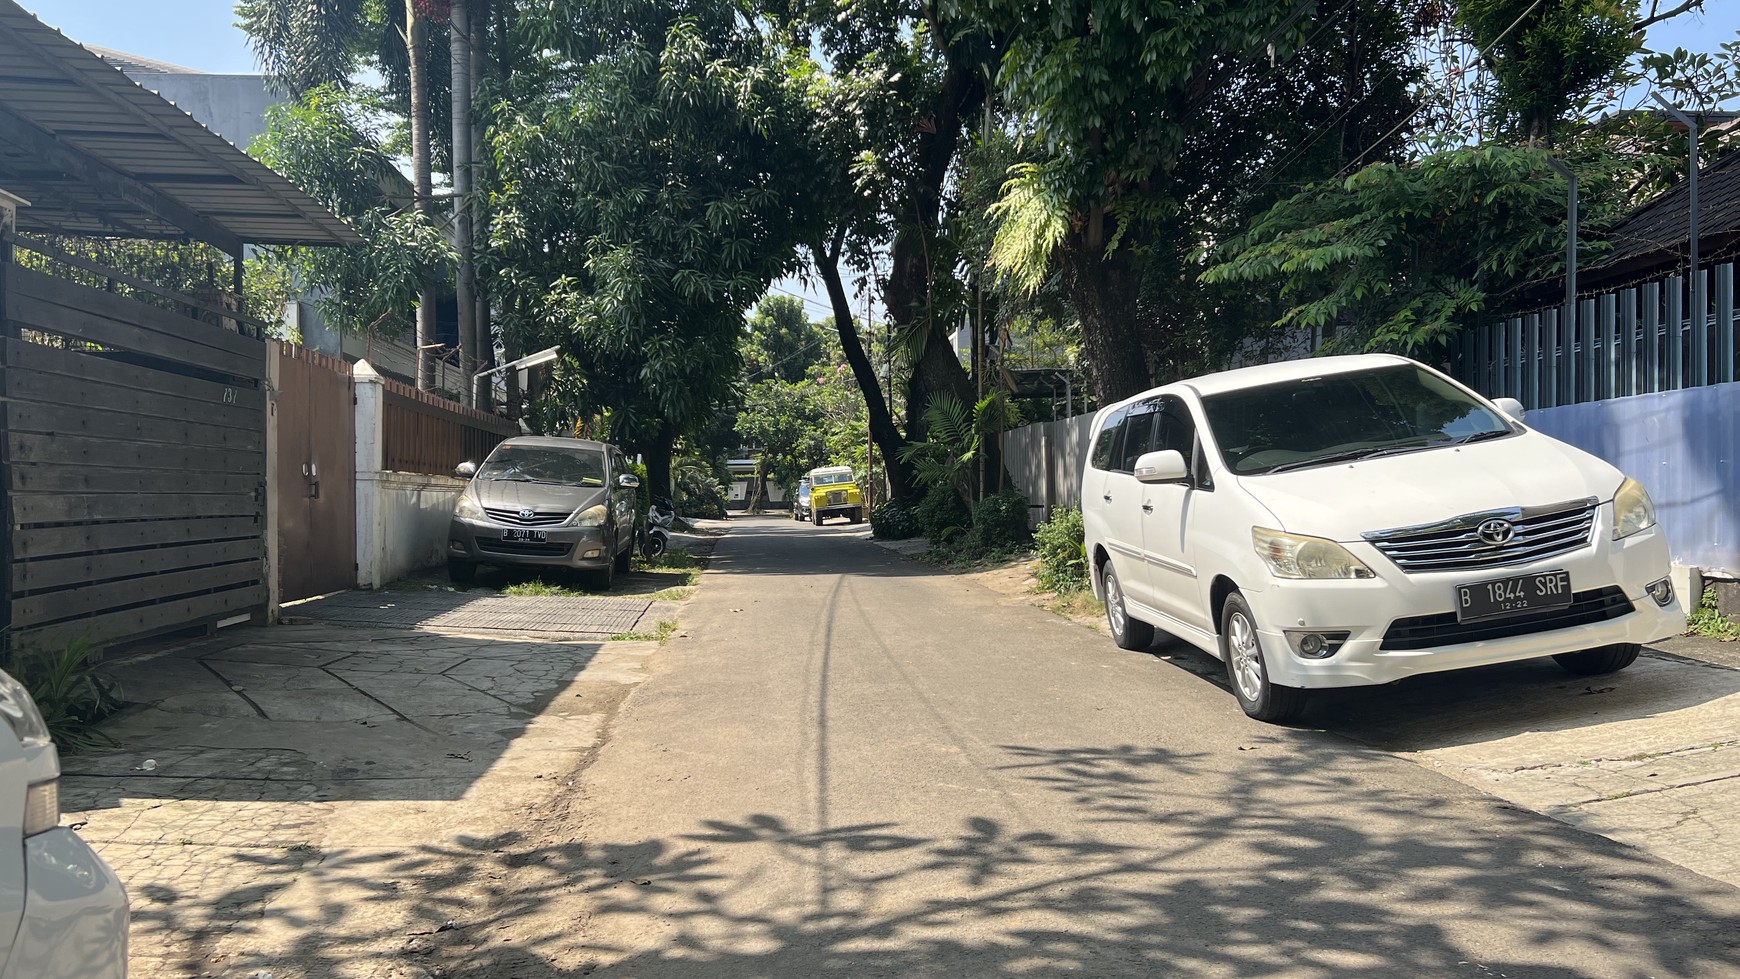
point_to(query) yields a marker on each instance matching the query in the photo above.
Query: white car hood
(1344, 500)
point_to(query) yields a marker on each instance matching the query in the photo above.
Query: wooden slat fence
(134, 466)
(422, 433)
(1640, 340)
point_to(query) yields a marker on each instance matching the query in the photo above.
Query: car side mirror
(628, 481)
(1511, 407)
(1166, 466)
(465, 470)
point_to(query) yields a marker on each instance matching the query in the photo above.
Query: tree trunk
(913, 267)
(1105, 290)
(459, 58)
(658, 461)
(423, 183)
(900, 478)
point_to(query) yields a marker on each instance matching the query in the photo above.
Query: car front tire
(1600, 660)
(1242, 651)
(1127, 632)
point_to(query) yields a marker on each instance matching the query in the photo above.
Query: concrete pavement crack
(395, 711)
(235, 690)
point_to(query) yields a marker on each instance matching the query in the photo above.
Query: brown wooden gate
(316, 479)
(134, 466)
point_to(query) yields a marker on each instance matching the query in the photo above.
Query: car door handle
(1147, 508)
(1108, 497)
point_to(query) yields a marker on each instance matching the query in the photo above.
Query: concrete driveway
(317, 800)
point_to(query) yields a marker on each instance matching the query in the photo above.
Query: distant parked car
(1343, 521)
(800, 503)
(546, 503)
(834, 493)
(63, 912)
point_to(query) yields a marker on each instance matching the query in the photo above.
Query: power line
(1410, 116)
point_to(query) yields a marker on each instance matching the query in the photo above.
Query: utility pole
(1569, 319)
(459, 60)
(1700, 351)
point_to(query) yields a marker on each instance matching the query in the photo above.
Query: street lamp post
(524, 363)
(1700, 352)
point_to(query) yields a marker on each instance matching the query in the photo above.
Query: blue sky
(201, 34)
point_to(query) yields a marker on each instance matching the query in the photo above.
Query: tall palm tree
(302, 45)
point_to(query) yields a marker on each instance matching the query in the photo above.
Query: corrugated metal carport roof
(97, 155)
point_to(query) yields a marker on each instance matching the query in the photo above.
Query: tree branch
(1656, 18)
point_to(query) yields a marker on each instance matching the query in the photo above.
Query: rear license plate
(539, 536)
(1522, 593)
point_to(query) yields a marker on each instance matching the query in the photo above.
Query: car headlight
(1632, 509)
(20, 713)
(592, 516)
(1298, 556)
(468, 508)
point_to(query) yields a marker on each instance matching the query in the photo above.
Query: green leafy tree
(652, 201)
(782, 343)
(322, 142)
(1153, 127)
(1546, 55)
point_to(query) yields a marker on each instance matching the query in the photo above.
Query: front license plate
(1523, 593)
(539, 536)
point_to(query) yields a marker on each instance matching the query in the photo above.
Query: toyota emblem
(527, 513)
(1496, 532)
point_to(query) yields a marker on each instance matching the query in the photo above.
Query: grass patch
(666, 629)
(1706, 621)
(1077, 605)
(681, 593)
(539, 588)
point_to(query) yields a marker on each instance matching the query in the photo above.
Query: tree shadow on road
(1291, 866)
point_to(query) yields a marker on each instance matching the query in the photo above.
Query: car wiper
(1352, 455)
(1478, 437)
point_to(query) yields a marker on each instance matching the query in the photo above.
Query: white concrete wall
(411, 515)
(401, 518)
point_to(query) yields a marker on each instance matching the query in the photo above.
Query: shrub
(894, 521)
(71, 692)
(1000, 522)
(942, 514)
(700, 494)
(1062, 558)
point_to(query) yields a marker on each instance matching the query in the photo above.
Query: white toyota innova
(1355, 520)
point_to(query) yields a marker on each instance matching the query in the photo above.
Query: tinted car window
(1107, 441)
(1341, 417)
(541, 464)
(1138, 435)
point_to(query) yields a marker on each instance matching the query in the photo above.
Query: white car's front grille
(1494, 539)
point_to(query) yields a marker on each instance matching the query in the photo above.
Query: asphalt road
(849, 765)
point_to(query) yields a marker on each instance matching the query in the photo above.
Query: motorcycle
(655, 537)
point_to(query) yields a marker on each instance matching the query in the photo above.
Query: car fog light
(1316, 645)
(595, 552)
(1662, 591)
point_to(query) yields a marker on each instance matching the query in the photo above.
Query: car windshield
(1344, 417)
(829, 479)
(541, 464)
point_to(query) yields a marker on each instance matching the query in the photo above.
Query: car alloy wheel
(1247, 655)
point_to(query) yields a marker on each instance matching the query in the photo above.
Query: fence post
(1676, 329)
(1532, 392)
(274, 557)
(1700, 330)
(1514, 345)
(1628, 343)
(1651, 338)
(370, 460)
(1551, 357)
(1724, 323)
(1609, 342)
